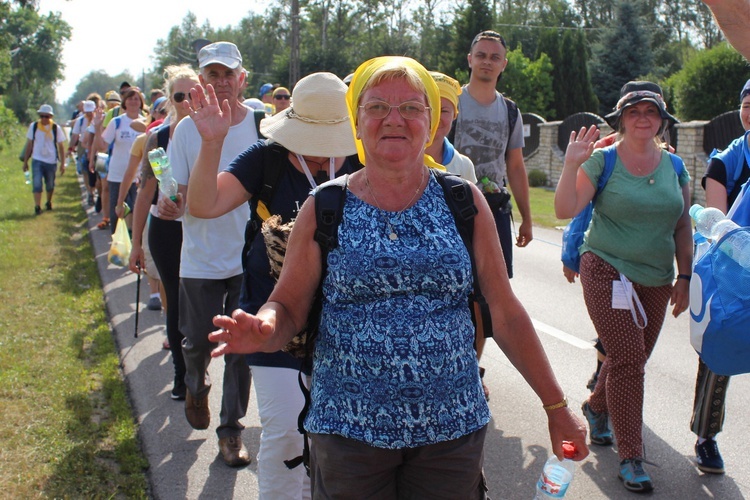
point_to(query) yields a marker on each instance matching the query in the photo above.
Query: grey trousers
(200, 301)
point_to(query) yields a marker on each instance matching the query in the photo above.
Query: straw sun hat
(317, 123)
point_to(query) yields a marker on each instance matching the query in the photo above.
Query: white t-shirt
(211, 248)
(463, 166)
(123, 137)
(44, 147)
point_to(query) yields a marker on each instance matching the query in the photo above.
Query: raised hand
(211, 118)
(581, 145)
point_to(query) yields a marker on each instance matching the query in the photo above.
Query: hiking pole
(137, 298)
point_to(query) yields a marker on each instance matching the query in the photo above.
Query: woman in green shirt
(640, 224)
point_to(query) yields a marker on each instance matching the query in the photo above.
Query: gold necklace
(388, 226)
(641, 172)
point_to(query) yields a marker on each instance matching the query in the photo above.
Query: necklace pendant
(651, 180)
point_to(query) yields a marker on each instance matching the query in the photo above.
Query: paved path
(184, 463)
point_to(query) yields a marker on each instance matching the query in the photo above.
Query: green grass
(66, 426)
(542, 208)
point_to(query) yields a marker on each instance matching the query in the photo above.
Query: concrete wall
(549, 158)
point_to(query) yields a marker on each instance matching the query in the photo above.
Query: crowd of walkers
(394, 373)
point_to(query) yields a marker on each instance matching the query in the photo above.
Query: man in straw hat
(308, 143)
(210, 266)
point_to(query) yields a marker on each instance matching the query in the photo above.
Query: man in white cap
(211, 259)
(44, 146)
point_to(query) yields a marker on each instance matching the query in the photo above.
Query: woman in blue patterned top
(397, 405)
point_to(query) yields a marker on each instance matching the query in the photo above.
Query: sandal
(104, 223)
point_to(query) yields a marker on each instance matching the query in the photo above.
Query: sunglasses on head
(286, 97)
(180, 96)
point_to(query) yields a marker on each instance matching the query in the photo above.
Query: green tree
(622, 54)
(709, 83)
(528, 82)
(35, 65)
(97, 81)
(469, 19)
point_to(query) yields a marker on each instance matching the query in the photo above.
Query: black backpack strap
(273, 155)
(512, 119)
(329, 208)
(460, 200)
(259, 115)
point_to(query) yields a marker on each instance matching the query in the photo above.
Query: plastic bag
(119, 251)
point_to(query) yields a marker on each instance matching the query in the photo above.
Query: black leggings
(165, 242)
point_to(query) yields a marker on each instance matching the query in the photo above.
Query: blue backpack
(574, 232)
(720, 308)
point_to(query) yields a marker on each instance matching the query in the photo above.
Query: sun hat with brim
(318, 123)
(89, 106)
(45, 109)
(634, 92)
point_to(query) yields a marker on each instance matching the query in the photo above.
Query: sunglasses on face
(45, 116)
(282, 96)
(180, 96)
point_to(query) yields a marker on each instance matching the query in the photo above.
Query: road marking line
(561, 335)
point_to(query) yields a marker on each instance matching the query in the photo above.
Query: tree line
(564, 56)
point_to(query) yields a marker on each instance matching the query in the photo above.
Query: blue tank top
(394, 363)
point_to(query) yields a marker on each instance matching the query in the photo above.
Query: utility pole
(294, 54)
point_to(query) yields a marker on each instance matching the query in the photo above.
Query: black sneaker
(48, 206)
(708, 458)
(37, 210)
(178, 391)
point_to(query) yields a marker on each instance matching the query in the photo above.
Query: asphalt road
(185, 463)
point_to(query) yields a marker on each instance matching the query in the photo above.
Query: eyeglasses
(409, 110)
(489, 35)
(282, 96)
(180, 96)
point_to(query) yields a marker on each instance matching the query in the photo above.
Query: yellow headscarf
(449, 88)
(363, 74)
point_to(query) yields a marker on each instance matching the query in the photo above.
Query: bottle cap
(569, 449)
(695, 210)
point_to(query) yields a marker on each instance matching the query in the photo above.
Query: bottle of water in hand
(163, 172)
(27, 175)
(713, 224)
(556, 475)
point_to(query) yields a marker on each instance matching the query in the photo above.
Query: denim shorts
(39, 170)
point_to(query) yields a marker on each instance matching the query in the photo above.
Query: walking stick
(137, 299)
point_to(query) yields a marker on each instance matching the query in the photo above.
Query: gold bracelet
(561, 404)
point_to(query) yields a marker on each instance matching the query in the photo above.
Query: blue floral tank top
(394, 363)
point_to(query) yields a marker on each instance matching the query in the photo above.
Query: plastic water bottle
(489, 186)
(713, 224)
(163, 172)
(701, 246)
(27, 176)
(556, 474)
